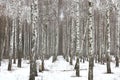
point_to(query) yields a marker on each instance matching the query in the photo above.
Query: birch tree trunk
(90, 40)
(33, 39)
(118, 35)
(19, 37)
(70, 40)
(14, 39)
(108, 42)
(18, 43)
(10, 45)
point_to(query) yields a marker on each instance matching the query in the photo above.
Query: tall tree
(60, 25)
(90, 40)
(117, 7)
(33, 39)
(19, 35)
(10, 45)
(108, 41)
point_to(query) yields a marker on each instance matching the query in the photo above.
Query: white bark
(90, 40)
(34, 23)
(108, 41)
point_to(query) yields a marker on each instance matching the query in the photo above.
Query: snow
(16, 73)
(58, 65)
(59, 70)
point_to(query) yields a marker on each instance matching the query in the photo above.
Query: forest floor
(59, 70)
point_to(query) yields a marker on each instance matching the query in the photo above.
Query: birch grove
(78, 30)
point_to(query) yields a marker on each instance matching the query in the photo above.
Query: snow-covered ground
(59, 70)
(16, 73)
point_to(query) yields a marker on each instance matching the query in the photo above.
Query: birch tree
(33, 39)
(90, 39)
(117, 9)
(10, 45)
(10, 33)
(108, 41)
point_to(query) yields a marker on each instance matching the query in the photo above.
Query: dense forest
(80, 30)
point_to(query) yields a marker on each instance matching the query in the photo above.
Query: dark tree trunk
(19, 61)
(14, 51)
(10, 64)
(19, 55)
(9, 46)
(43, 65)
(60, 36)
(71, 63)
(117, 61)
(70, 32)
(108, 64)
(90, 73)
(32, 71)
(77, 67)
(18, 43)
